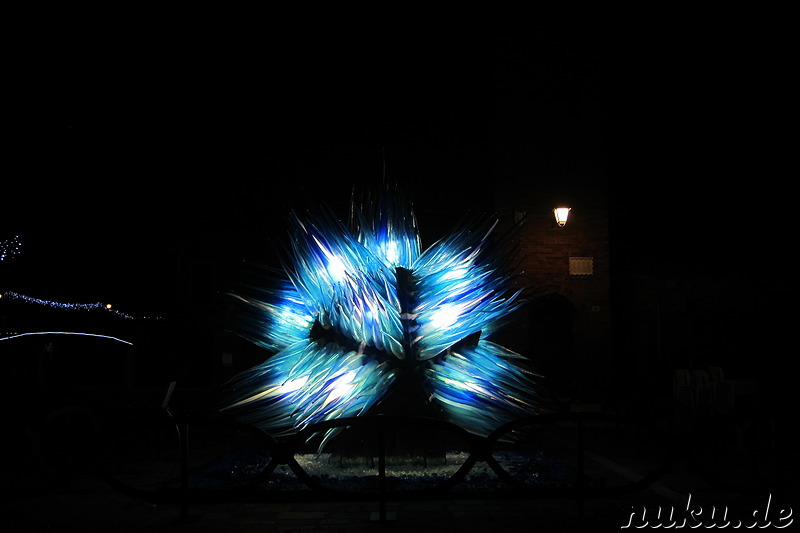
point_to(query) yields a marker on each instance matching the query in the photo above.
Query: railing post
(382, 515)
(382, 474)
(183, 431)
(581, 481)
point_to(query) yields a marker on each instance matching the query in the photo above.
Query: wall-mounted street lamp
(561, 214)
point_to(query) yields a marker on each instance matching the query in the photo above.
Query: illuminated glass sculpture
(360, 305)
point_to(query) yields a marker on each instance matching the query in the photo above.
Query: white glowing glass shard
(457, 273)
(391, 252)
(445, 316)
(292, 385)
(341, 386)
(336, 269)
(334, 265)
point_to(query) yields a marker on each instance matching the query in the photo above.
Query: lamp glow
(561, 214)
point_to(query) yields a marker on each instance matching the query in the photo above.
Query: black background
(126, 132)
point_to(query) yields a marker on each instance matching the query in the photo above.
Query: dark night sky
(120, 141)
(121, 137)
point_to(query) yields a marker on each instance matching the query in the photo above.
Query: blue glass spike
(345, 285)
(387, 226)
(483, 386)
(306, 383)
(273, 314)
(461, 291)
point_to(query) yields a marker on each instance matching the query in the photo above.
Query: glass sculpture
(359, 305)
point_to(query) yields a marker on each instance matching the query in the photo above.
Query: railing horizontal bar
(479, 449)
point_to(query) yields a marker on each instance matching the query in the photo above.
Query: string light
(76, 333)
(97, 306)
(10, 248)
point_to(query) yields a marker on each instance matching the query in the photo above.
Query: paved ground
(91, 506)
(97, 509)
(87, 503)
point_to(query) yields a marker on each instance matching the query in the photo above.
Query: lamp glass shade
(561, 214)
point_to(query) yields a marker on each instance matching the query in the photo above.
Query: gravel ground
(237, 468)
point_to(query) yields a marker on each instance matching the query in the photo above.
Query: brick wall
(544, 254)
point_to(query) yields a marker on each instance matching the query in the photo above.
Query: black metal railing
(478, 450)
(281, 454)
